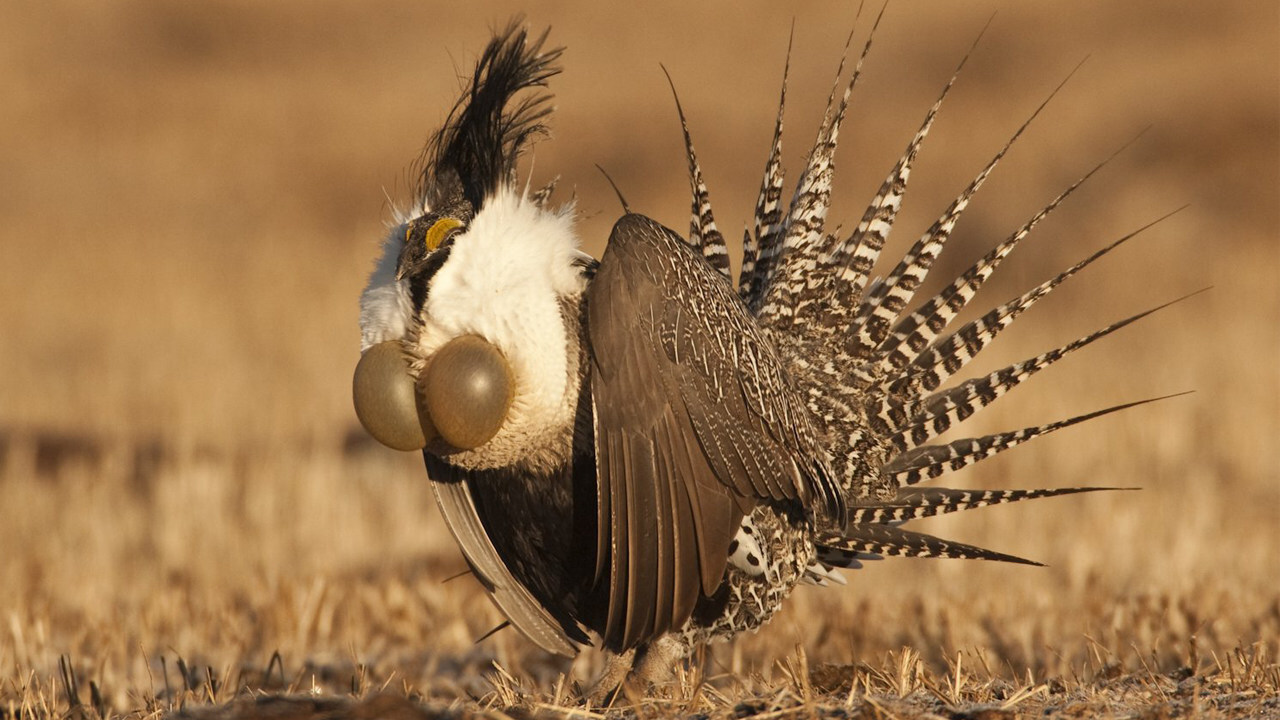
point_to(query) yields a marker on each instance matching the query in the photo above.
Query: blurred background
(192, 196)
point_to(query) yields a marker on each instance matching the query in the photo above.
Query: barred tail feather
(936, 413)
(950, 353)
(886, 540)
(913, 332)
(923, 462)
(803, 226)
(746, 275)
(857, 254)
(852, 259)
(703, 234)
(806, 213)
(883, 303)
(916, 503)
(759, 252)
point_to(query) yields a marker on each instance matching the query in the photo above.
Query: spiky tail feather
(873, 530)
(885, 540)
(916, 503)
(704, 236)
(881, 304)
(913, 332)
(758, 251)
(801, 280)
(845, 265)
(909, 423)
(791, 255)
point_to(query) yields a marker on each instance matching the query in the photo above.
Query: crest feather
(485, 132)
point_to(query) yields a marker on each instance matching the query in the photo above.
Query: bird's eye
(439, 231)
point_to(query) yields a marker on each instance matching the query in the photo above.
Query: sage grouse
(638, 454)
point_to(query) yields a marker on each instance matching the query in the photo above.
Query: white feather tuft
(505, 280)
(385, 305)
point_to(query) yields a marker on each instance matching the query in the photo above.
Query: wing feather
(511, 596)
(695, 423)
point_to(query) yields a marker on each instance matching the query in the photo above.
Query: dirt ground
(193, 194)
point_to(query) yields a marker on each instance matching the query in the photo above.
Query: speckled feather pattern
(718, 444)
(867, 370)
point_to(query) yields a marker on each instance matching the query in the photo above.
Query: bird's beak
(459, 401)
(407, 269)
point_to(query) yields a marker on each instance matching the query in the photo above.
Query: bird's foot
(638, 669)
(617, 668)
(656, 664)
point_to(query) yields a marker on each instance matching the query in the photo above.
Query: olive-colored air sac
(467, 388)
(384, 395)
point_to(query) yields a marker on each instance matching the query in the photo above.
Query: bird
(640, 454)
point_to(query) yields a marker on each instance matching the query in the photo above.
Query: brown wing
(453, 496)
(695, 421)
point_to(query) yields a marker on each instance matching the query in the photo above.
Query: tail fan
(880, 366)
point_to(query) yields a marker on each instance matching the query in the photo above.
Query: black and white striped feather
(809, 396)
(885, 362)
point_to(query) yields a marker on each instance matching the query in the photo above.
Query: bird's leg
(616, 669)
(651, 664)
(657, 662)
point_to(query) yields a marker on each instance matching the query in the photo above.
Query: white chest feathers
(507, 279)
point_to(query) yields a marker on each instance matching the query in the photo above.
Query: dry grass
(192, 194)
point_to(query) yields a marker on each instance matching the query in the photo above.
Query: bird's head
(469, 321)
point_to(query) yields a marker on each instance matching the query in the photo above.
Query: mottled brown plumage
(716, 445)
(690, 440)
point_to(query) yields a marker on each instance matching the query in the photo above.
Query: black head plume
(486, 130)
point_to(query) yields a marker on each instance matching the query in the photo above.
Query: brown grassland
(192, 194)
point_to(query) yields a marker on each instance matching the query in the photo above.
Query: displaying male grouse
(638, 454)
